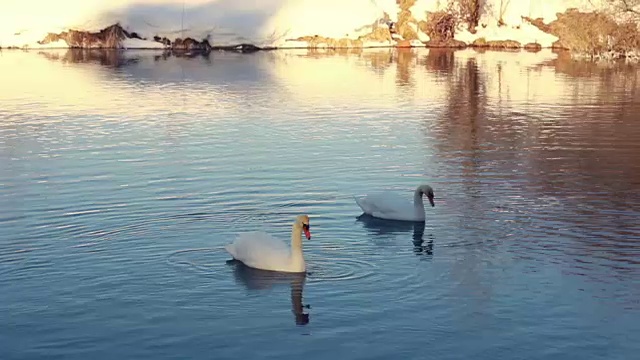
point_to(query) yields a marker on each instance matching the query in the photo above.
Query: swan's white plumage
(391, 206)
(386, 205)
(260, 250)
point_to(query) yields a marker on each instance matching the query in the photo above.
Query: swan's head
(302, 221)
(427, 190)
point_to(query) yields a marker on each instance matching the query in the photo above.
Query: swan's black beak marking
(430, 196)
(307, 232)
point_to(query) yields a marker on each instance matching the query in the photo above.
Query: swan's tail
(360, 201)
(231, 249)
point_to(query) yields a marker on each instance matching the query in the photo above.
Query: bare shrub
(594, 34)
(585, 33)
(623, 11)
(504, 4)
(625, 38)
(440, 25)
(625, 6)
(468, 11)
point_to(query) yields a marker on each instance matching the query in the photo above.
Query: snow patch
(141, 44)
(387, 6)
(421, 35)
(421, 7)
(526, 33)
(329, 18)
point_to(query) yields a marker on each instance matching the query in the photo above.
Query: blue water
(122, 176)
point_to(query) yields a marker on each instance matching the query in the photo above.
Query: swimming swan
(260, 250)
(390, 206)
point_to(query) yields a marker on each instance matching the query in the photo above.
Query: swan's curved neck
(418, 203)
(297, 258)
(296, 238)
(417, 199)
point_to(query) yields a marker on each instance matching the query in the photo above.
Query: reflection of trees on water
(580, 151)
(460, 130)
(544, 138)
(439, 60)
(406, 61)
(378, 60)
(115, 58)
(464, 120)
(592, 143)
(255, 279)
(110, 58)
(320, 52)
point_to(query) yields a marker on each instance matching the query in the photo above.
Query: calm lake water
(122, 176)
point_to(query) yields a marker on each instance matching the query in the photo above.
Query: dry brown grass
(330, 43)
(380, 33)
(481, 45)
(533, 47)
(496, 44)
(403, 27)
(592, 34)
(405, 4)
(318, 41)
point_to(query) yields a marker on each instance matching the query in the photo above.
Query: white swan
(390, 206)
(260, 250)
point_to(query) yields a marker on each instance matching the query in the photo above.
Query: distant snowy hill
(261, 22)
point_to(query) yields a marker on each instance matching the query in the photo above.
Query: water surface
(122, 175)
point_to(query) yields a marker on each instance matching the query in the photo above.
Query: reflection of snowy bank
(420, 76)
(159, 84)
(378, 80)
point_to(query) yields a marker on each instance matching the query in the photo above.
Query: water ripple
(212, 262)
(117, 196)
(342, 268)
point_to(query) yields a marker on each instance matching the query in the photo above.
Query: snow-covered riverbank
(202, 24)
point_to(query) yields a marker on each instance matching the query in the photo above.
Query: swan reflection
(255, 279)
(383, 227)
(422, 248)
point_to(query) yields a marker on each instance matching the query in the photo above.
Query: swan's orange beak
(307, 233)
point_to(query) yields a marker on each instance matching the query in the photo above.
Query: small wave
(206, 261)
(332, 268)
(213, 262)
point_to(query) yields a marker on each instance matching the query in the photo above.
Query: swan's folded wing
(256, 248)
(384, 204)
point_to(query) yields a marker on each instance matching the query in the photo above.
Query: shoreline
(250, 48)
(341, 50)
(584, 35)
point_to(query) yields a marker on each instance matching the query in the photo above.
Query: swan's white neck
(418, 205)
(297, 258)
